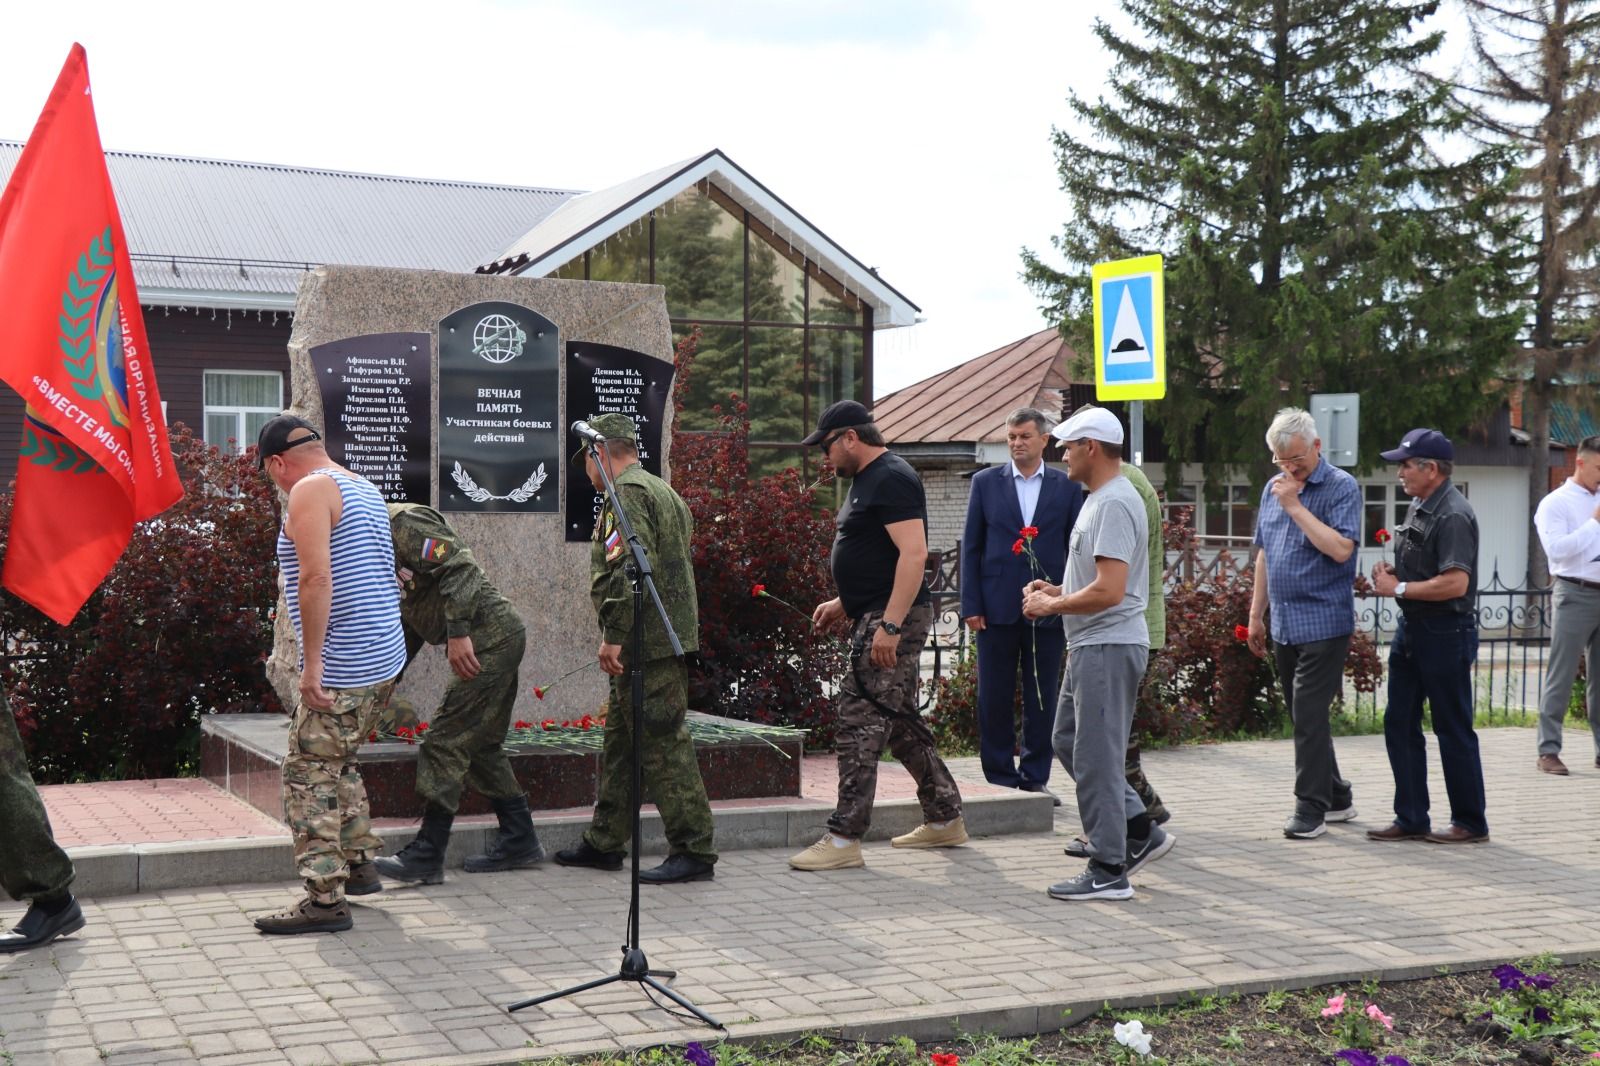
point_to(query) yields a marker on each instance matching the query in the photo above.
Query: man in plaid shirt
(1307, 528)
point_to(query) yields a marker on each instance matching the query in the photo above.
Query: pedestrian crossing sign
(1129, 330)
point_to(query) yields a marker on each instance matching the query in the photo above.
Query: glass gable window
(238, 403)
(777, 330)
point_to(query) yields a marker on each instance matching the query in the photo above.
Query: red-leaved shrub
(180, 627)
(759, 660)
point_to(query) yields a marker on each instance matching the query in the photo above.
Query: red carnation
(1029, 532)
(1018, 548)
(520, 724)
(373, 736)
(758, 591)
(538, 693)
(1241, 632)
(422, 727)
(1381, 536)
(548, 723)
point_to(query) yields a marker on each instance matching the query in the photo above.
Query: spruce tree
(1283, 156)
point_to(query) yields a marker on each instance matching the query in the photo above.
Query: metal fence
(1513, 635)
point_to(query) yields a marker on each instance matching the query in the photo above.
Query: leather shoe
(1552, 764)
(38, 928)
(1396, 831)
(1457, 835)
(1034, 786)
(678, 869)
(586, 854)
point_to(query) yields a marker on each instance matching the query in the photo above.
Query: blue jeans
(1431, 659)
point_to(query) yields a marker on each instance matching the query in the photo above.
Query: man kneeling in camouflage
(445, 598)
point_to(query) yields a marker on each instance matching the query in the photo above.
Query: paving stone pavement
(918, 943)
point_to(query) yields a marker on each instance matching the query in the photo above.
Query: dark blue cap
(1422, 444)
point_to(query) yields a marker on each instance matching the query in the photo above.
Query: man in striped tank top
(337, 564)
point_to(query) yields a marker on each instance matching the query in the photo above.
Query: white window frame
(238, 412)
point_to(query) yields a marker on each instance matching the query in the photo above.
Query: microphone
(588, 432)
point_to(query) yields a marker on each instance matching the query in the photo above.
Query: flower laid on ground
(699, 1056)
(541, 691)
(407, 734)
(1131, 1035)
(944, 1059)
(520, 724)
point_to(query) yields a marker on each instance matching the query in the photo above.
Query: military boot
(423, 858)
(517, 845)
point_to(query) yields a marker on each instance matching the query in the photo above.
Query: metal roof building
(215, 233)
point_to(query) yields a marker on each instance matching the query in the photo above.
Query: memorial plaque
(499, 445)
(603, 379)
(377, 401)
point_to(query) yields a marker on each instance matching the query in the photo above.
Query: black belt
(1580, 581)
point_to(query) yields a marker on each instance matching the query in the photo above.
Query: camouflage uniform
(444, 593)
(324, 799)
(671, 773)
(877, 709)
(32, 864)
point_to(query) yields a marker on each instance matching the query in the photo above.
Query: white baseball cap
(1094, 423)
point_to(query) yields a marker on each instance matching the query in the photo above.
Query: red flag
(95, 457)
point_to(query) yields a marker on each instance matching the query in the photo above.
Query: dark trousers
(1431, 659)
(1311, 674)
(32, 865)
(1002, 650)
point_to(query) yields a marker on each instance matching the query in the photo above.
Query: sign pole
(1136, 432)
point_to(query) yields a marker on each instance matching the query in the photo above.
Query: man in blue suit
(995, 566)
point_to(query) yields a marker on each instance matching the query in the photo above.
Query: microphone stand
(635, 967)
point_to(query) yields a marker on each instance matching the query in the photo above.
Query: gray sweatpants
(1093, 717)
(1574, 633)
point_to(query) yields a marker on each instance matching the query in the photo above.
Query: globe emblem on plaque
(498, 339)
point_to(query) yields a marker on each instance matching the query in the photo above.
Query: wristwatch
(890, 628)
(1400, 591)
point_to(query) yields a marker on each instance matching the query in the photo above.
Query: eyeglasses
(1286, 463)
(827, 442)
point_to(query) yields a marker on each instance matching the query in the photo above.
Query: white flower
(1132, 1035)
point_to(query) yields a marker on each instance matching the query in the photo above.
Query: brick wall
(947, 485)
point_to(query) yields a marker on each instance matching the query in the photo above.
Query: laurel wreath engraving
(478, 494)
(77, 322)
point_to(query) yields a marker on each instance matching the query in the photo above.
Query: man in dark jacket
(1026, 503)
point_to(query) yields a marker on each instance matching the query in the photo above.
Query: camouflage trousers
(463, 745)
(865, 729)
(1132, 769)
(324, 800)
(671, 773)
(32, 864)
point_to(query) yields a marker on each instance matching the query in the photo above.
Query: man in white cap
(1108, 646)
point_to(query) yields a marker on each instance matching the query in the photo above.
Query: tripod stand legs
(636, 969)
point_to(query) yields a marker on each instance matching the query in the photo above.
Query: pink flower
(1335, 1006)
(1378, 1016)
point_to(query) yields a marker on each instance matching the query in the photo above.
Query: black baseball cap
(1422, 444)
(842, 415)
(274, 437)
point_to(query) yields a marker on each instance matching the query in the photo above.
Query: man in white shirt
(1568, 521)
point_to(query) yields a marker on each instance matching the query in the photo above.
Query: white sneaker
(1343, 814)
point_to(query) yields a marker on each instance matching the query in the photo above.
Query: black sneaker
(1142, 853)
(1303, 827)
(1093, 883)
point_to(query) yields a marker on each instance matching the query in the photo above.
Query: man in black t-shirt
(879, 550)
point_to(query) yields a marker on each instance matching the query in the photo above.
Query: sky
(915, 133)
